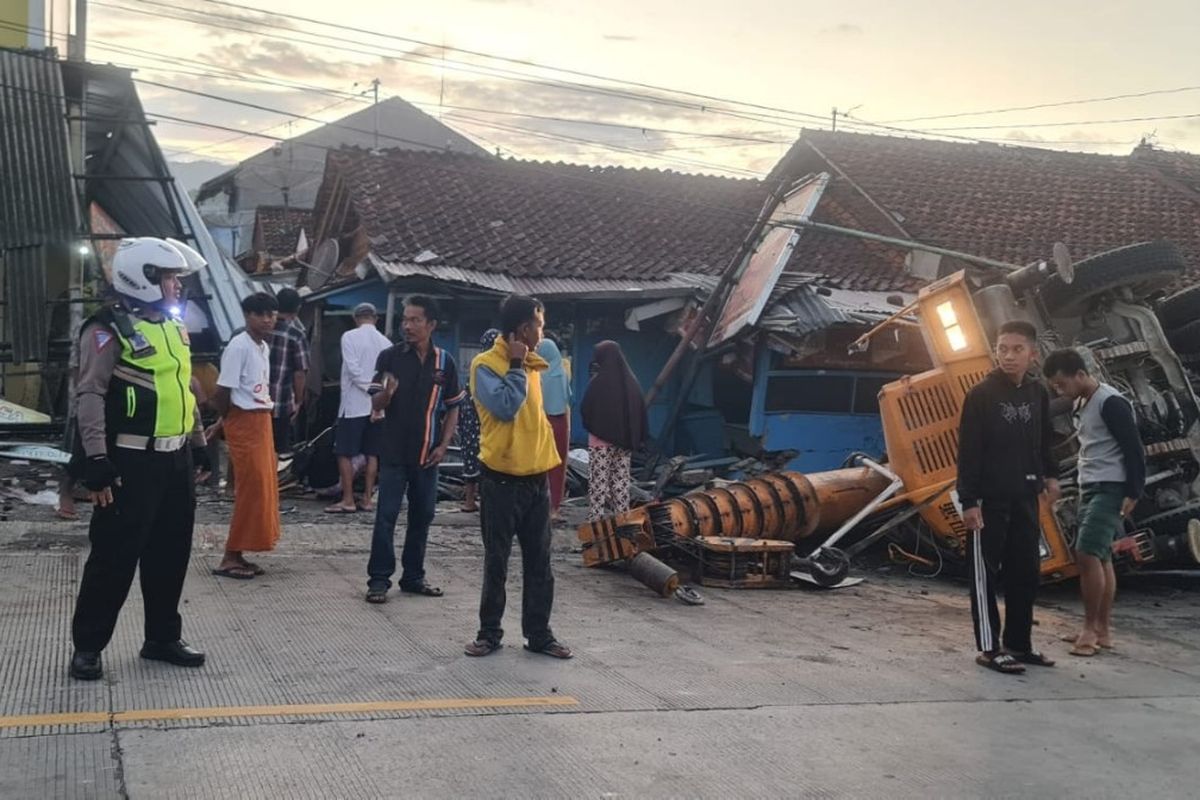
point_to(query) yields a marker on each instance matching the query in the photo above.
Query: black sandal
(425, 590)
(1035, 658)
(1000, 662)
(377, 596)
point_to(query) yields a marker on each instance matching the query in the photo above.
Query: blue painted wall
(823, 437)
(646, 353)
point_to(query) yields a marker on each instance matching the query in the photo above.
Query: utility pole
(77, 45)
(835, 113)
(375, 88)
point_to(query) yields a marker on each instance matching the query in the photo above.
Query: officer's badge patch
(102, 338)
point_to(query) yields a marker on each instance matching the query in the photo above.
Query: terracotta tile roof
(536, 219)
(1181, 171)
(279, 228)
(1007, 203)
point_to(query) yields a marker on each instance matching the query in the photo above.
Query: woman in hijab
(614, 414)
(468, 437)
(556, 399)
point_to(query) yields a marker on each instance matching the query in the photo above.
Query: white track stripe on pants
(986, 636)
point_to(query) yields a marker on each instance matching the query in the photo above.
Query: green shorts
(1099, 518)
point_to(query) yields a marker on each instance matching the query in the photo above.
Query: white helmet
(137, 262)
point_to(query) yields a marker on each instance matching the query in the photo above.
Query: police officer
(141, 435)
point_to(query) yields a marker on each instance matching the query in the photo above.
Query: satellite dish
(1062, 263)
(326, 257)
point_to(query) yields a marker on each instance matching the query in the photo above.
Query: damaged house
(615, 253)
(79, 170)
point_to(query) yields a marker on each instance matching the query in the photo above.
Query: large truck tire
(1180, 308)
(1144, 268)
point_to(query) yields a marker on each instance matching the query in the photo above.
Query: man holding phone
(416, 388)
(516, 453)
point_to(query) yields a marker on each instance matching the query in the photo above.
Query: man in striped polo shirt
(417, 391)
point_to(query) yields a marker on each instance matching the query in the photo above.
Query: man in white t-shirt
(243, 398)
(358, 431)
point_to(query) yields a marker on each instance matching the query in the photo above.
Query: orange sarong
(255, 524)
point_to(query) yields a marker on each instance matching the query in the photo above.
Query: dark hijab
(613, 407)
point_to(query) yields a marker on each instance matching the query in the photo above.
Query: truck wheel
(1180, 308)
(1144, 268)
(1186, 339)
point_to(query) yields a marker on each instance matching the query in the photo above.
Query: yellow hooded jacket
(524, 445)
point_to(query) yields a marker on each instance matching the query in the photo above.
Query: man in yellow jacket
(516, 451)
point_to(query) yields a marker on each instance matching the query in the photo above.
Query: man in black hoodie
(1004, 463)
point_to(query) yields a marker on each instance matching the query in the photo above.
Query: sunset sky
(889, 61)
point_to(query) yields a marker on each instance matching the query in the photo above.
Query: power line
(428, 61)
(1068, 124)
(1059, 104)
(580, 140)
(523, 62)
(602, 123)
(260, 107)
(935, 132)
(245, 135)
(858, 125)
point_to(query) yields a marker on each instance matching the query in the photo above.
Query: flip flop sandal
(1084, 650)
(425, 590)
(255, 568)
(554, 649)
(340, 510)
(1001, 662)
(1035, 658)
(1072, 639)
(377, 596)
(237, 573)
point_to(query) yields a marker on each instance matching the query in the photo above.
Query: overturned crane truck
(1104, 314)
(742, 535)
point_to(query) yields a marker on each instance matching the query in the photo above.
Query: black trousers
(147, 528)
(1005, 553)
(520, 507)
(281, 431)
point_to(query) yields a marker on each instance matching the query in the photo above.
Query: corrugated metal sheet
(25, 298)
(544, 287)
(38, 214)
(808, 308)
(36, 193)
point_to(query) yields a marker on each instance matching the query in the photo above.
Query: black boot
(85, 665)
(178, 652)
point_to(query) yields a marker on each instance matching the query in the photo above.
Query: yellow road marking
(298, 710)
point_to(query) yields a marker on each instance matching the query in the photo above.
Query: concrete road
(309, 692)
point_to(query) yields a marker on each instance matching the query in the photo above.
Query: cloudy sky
(758, 71)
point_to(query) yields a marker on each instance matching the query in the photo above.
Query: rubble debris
(13, 414)
(36, 452)
(740, 534)
(654, 574)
